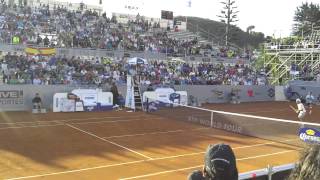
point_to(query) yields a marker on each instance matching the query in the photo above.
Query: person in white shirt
(301, 110)
(36, 81)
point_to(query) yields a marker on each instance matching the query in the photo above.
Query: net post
(270, 172)
(211, 120)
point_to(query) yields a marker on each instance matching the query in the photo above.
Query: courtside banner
(11, 97)
(40, 51)
(310, 135)
(12, 100)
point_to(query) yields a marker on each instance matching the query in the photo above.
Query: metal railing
(270, 172)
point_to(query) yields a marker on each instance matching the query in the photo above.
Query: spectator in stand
(150, 88)
(46, 41)
(308, 165)
(37, 81)
(309, 101)
(219, 164)
(114, 91)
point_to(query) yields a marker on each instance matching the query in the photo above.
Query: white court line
(77, 119)
(131, 162)
(162, 172)
(235, 148)
(35, 126)
(76, 170)
(62, 120)
(98, 137)
(199, 166)
(59, 123)
(157, 132)
(128, 120)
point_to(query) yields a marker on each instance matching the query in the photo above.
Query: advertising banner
(40, 51)
(11, 97)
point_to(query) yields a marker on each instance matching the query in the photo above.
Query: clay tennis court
(123, 145)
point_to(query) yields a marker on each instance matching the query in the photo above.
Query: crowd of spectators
(305, 72)
(57, 26)
(60, 27)
(22, 69)
(201, 74)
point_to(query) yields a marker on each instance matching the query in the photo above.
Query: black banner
(167, 15)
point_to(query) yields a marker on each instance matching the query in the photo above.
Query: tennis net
(274, 129)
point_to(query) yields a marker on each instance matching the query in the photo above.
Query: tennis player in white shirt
(301, 111)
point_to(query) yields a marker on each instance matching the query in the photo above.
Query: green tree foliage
(290, 40)
(215, 31)
(306, 16)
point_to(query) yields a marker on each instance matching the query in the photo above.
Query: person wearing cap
(309, 101)
(301, 111)
(219, 164)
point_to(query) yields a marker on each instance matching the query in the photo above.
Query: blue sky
(268, 16)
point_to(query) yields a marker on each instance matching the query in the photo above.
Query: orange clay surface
(129, 145)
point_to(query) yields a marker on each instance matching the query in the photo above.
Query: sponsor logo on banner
(309, 135)
(13, 97)
(250, 93)
(218, 94)
(271, 92)
(228, 126)
(174, 97)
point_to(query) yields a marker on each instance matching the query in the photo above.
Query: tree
(306, 17)
(228, 16)
(250, 28)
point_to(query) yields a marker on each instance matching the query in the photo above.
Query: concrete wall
(303, 87)
(221, 93)
(19, 97)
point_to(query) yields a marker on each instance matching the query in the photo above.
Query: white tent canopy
(137, 60)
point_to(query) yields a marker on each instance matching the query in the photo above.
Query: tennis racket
(294, 109)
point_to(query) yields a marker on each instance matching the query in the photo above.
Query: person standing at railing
(318, 77)
(309, 101)
(115, 92)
